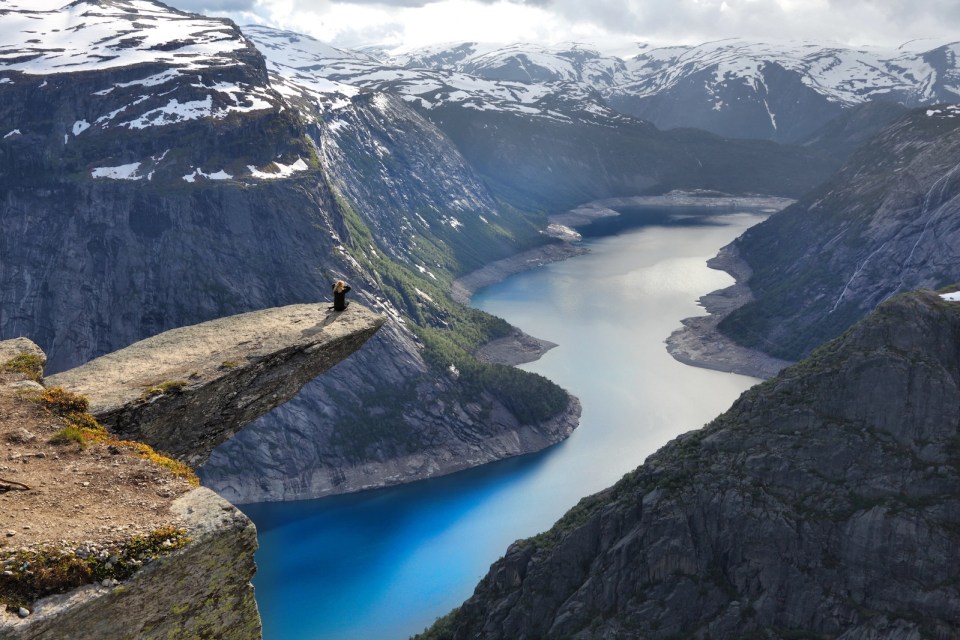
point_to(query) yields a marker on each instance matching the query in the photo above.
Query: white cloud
(417, 22)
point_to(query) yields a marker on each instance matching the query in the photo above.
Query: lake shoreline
(700, 344)
(697, 343)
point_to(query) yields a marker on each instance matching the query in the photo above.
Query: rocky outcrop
(200, 591)
(888, 222)
(824, 503)
(182, 391)
(187, 390)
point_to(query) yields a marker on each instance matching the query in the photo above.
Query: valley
(386, 563)
(161, 169)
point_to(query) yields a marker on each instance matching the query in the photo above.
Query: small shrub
(62, 402)
(175, 467)
(68, 435)
(29, 364)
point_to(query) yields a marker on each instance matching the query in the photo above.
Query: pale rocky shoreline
(697, 343)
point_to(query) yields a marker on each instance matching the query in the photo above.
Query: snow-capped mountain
(734, 87)
(550, 144)
(41, 38)
(782, 92)
(309, 63)
(566, 62)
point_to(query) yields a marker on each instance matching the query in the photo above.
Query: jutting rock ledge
(182, 392)
(187, 390)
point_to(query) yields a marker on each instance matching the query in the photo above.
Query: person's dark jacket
(340, 299)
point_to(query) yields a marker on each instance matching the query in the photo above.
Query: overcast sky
(351, 23)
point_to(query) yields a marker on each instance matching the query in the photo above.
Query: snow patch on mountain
(282, 170)
(949, 111)
(120, 172)
(43, 36)
(199, 173)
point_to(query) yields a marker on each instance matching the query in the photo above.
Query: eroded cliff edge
(126, 548)
(825, 502)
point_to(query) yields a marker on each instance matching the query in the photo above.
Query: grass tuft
(29, 364)
(167, 387)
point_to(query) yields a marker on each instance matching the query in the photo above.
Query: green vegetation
(29, 364)
(441, 629)
(31, 574)
(451, 333)
(62, 402)
(167, 387)
(69, 435)
(82, 428)
(229, 364)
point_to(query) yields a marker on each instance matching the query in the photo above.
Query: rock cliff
(824, 503)
(888, 222)
(169, 177)
(82, 497)
(187, 390)
(200, 591)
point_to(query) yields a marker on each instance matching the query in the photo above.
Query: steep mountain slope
(888, 222)
(171, 180)
(824, 503)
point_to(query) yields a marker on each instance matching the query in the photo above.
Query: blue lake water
(382, 565)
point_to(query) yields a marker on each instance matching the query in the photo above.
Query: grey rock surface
(187, 390)
(824, 503)
(200, 591)
(10, 349)
(888, 222)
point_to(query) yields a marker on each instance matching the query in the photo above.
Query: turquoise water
(382, 565)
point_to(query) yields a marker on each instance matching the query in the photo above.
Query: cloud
(417, 22)
(216, 6)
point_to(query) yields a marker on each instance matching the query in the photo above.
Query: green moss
(167, 387)
(38, 573)
(29, 364)
(229, 364)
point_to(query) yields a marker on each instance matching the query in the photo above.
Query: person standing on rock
(340, 289)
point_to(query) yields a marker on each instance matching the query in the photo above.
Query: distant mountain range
(736, 88)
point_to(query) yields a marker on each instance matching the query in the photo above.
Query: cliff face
(888, 222)
(182, 392)
(395, 412)
(166, 178)
(201, 591)
(824, 503)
